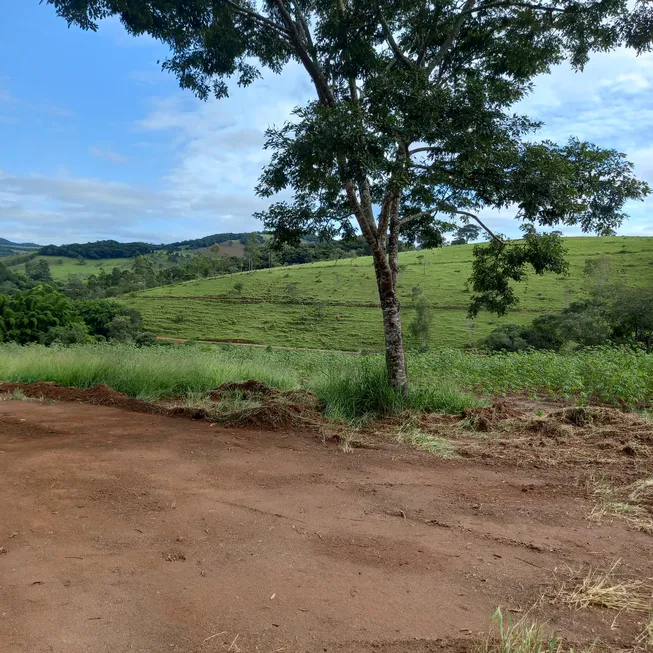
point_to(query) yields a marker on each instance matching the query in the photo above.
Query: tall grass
(351, 386)
(617, 376)
(363, 389)
(147, 374)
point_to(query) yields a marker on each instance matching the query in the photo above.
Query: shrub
(72, 334)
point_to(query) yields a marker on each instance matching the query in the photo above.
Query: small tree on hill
(412, 127)
(253, 252)
(465, 234)
(631, 315)
(420, 327)
(38, 270)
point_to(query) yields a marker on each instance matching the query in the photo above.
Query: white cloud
(607, 102)
(107, 154)
(217, 156)
(66, 209)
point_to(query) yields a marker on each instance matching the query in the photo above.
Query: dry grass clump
(601, 588)
(632, 503)
(256, 405)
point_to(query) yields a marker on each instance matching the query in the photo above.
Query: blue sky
(97, 142)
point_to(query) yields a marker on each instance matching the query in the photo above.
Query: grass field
(62, 267)
(333, 305)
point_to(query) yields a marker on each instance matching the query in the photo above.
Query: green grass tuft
(363, 389)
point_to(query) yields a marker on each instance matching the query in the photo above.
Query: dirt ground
(124, 531)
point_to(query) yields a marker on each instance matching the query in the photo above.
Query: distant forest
(113, 249)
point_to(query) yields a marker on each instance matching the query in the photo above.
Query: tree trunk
(395, 358)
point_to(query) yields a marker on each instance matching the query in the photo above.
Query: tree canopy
(412, 131)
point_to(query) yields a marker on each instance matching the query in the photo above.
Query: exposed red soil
(127, 531)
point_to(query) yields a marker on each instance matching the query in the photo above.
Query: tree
(465, 234)
(412, 129)
(27, 316)
(507, 337)
(38, 270)
(72, 334)
(420, 327)
(253, 251)
(631, 315)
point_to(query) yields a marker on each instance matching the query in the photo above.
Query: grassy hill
(62, 267)
(335, 305)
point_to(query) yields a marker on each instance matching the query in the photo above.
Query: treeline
(113, 249)
(99, 249)
(175, 265)
(43, 315)
(309, 251)
(208, 241)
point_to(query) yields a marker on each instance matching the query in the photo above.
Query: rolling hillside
(62, 266)
(335, 306)
(8, 248)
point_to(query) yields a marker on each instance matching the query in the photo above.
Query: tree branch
(448, 44)
(478, 220)
(422, 149)
(424, 214)
(258, 17)
(416, 216)
(400, 56)
(303, 23)
(510, 3)
(324, 92)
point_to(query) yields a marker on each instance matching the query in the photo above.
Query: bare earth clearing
(125, 531)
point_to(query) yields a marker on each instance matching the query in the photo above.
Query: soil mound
(99, 395)
(484, 419)
(593, 415)
(587, 436)
(244, 403)
(246, 388)
(255, 404)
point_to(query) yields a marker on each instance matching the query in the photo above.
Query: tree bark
(395, 358)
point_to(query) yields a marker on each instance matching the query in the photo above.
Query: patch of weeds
(413, 436)
(520, 637)
(600, 588)
(234, 410)
(18, 395)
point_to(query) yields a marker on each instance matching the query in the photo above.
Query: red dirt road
(126, 532)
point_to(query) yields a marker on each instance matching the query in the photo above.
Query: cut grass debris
(627, 503)
(413, 436)
(645, 639)
(600, 588)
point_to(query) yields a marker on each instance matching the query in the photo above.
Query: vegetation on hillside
(106, 249)
(334, 305)
(620, 316)
(43, 315)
